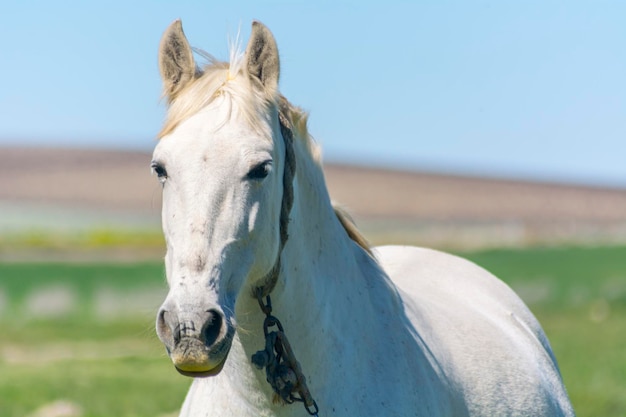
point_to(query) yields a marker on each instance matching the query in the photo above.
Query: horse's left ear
(262, 60)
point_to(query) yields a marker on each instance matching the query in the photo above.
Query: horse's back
(481, 336)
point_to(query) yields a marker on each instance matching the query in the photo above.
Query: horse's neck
(328, 284)
(328, 292)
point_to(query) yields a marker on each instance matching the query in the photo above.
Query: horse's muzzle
(197, 344)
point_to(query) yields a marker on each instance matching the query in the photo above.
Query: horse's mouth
(203, 374)
(191, 357)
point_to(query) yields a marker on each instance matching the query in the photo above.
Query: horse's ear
(176, 62)
(262, 60)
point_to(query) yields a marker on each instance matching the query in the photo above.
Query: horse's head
(221, 160)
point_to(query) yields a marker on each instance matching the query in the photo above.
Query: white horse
(391, 331)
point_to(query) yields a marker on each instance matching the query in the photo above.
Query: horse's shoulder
(462, 311)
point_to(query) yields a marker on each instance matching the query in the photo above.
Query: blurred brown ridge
(77, 189)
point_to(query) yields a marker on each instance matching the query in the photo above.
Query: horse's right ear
(176, 62)
(262, 57)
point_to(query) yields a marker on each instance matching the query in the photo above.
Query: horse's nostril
(212, 327)
(165, 329)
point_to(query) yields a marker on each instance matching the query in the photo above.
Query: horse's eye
(159, 170)
(260, 171)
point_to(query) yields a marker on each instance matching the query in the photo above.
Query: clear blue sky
(528, 89)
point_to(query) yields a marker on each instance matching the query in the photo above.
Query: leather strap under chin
(286, 131)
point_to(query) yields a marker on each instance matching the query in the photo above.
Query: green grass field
(97, 348)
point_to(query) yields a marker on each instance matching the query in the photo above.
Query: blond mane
(218, 78)
(350, 227)
(211, 81)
